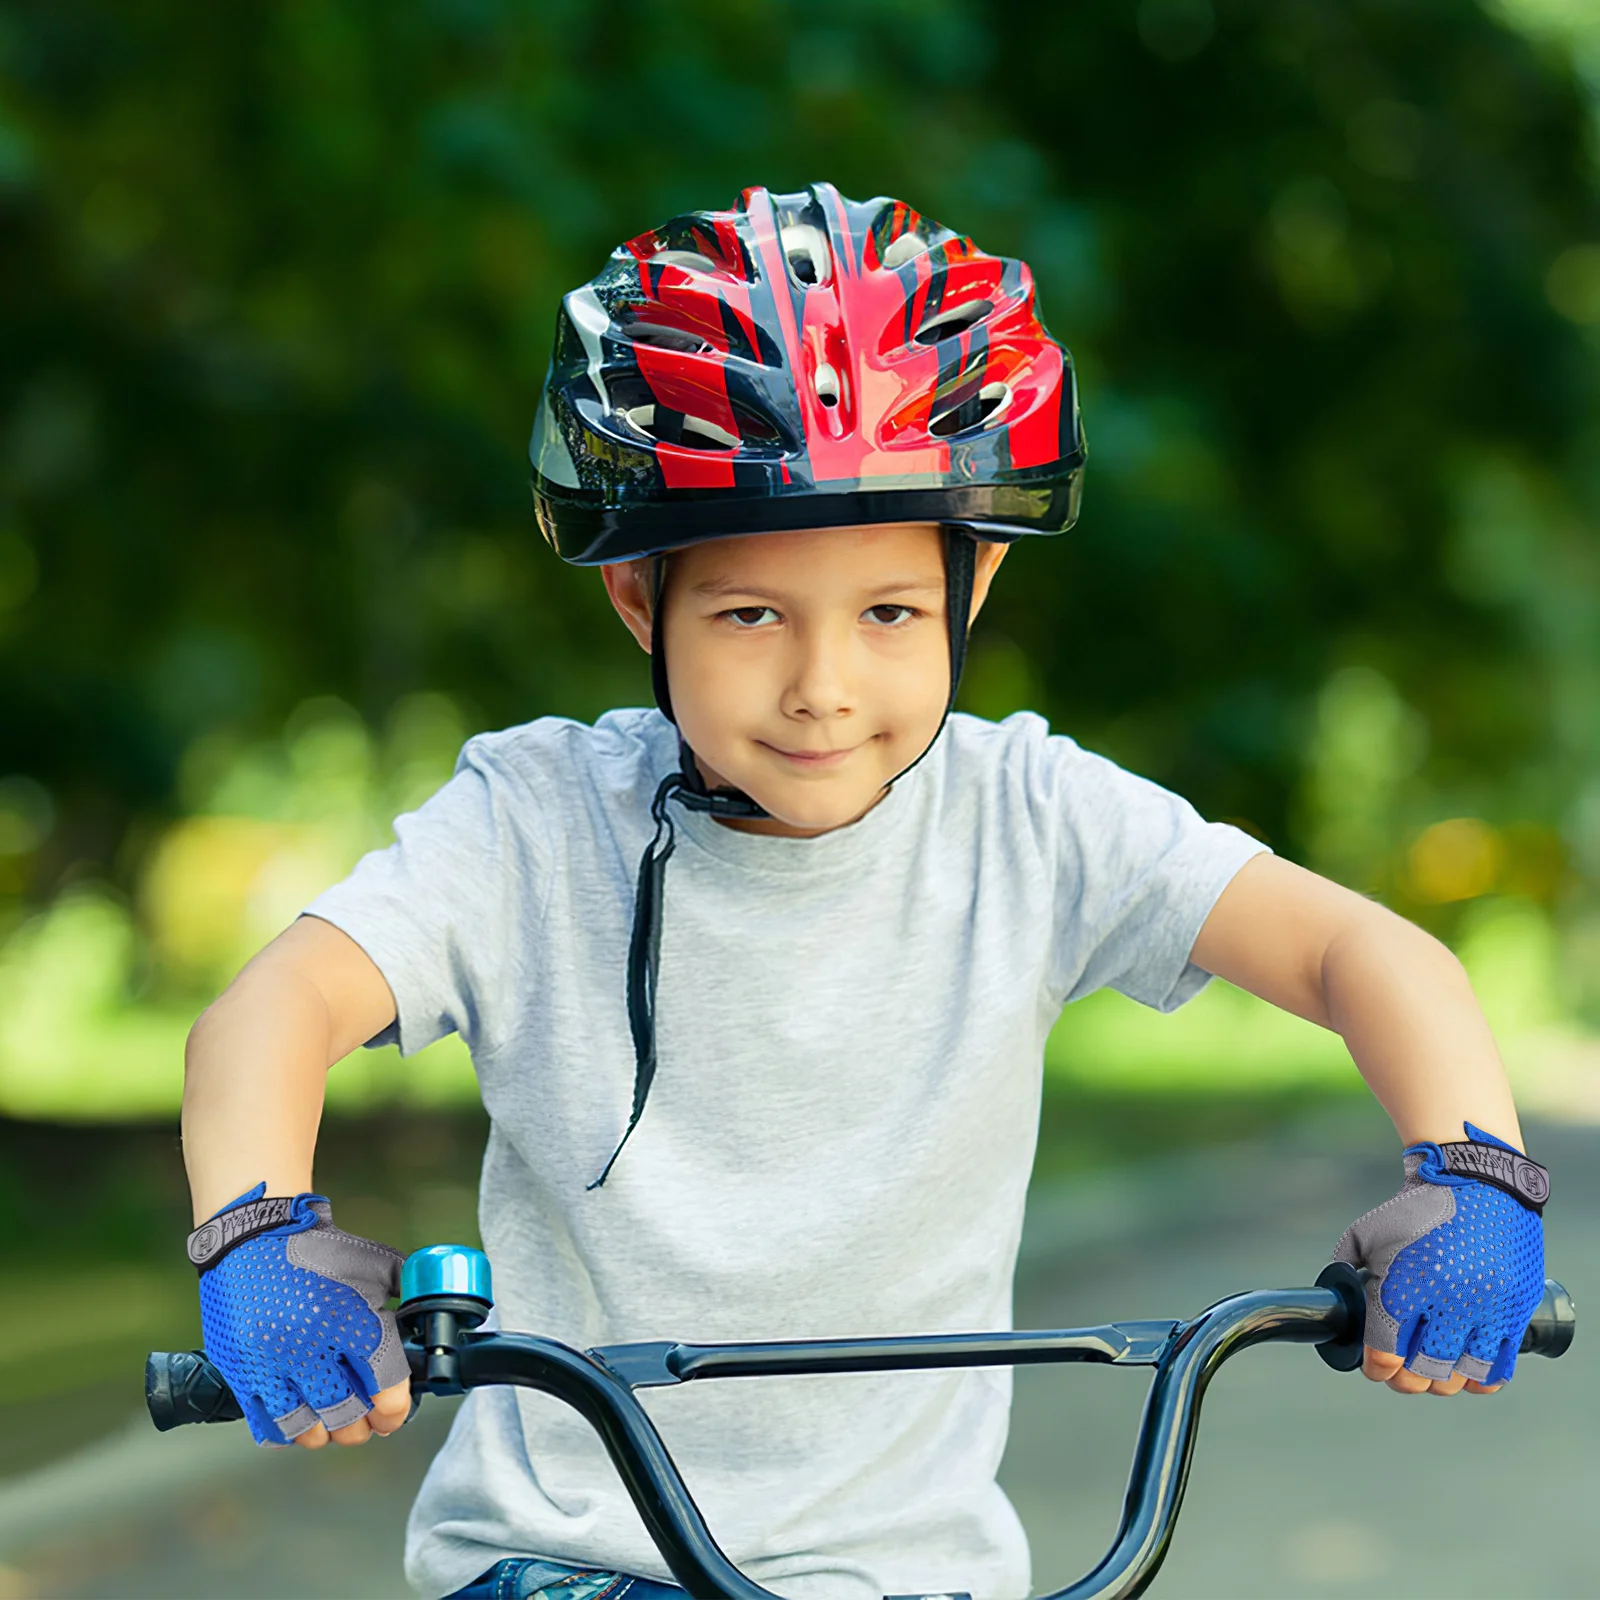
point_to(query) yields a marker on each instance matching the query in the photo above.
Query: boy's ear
(990, 555)
(631, 586)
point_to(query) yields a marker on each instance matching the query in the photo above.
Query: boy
(797, 437)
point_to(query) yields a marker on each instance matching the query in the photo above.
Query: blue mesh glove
(292, 1313)
(1456, 1259)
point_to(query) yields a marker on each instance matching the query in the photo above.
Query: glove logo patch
(1531, 1180)
(204, 1243)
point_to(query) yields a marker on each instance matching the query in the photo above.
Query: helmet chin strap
(688, 787)
(732, 802)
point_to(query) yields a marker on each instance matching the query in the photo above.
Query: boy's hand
(292, 1311)
(1455, 1264)
(1382, 1366)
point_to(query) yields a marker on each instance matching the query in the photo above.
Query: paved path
(1305, 1482)
(1308, 1482)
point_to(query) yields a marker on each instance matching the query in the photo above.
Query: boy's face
(808, 669)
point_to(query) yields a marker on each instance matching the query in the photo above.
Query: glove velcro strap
(212, 1240)
(1519, 1177)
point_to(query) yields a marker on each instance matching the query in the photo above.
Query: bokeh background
(277, 284)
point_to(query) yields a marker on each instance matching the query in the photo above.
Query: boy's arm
(257, 1062)
(255, 1070)
(1400, 999)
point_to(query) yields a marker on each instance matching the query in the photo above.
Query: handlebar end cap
(1554, 1324)
(182, 1386)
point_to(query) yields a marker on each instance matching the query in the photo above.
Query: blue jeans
(529, 1578)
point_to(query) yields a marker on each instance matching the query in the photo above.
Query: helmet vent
(693, 259)
(654, 334)
(906, 247)
(953, 321)
(805, 248)
(676, 427)
(827, 385)
(967, 411)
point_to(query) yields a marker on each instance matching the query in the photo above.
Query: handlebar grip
(182, 1386)
(1554, 1324)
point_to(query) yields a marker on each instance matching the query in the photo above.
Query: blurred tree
(1326, 230)
(276, 284)
(277, 288)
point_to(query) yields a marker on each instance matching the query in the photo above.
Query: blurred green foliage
(276, 288)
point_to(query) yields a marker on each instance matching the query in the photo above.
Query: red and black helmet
(802, 361)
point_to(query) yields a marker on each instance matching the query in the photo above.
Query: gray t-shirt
(838, 1141)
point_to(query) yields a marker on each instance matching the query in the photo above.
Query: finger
(1474, 1387)
(357, 1432)
(1436, 1348)
(390, 1408)
(1407, 1382)
(1380, 1365)
(313, 1438)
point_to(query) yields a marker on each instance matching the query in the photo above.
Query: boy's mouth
(811, 760)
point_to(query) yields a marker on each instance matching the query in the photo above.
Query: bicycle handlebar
(599, 1384)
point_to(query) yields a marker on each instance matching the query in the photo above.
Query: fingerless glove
(1456, 1259)
(292, 1312)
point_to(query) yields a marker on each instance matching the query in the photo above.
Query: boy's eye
(890, 615)
(750, 616)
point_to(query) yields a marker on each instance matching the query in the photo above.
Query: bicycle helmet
(801, 361)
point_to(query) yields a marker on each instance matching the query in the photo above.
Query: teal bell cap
(450, 1269)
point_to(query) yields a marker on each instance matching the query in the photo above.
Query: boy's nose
(819, 683)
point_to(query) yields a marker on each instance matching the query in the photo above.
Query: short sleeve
(1140, 870)
(438, 911)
